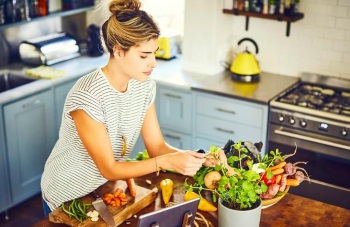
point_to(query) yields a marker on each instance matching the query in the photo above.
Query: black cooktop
(319, 97)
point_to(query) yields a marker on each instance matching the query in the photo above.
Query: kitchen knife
(102, 209)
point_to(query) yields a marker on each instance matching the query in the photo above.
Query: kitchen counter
(167, 72)
(292, 210)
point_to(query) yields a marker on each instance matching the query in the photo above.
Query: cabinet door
(30, 137)
(5, 199)
(175, 109)
(60, 93)
(178, 140)
(205, 143)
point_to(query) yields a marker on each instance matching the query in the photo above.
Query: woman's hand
(186, 162)
(213, 161)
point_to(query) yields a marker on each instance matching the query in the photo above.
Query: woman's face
(139, 61)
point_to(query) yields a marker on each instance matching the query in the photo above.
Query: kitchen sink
(9, 81)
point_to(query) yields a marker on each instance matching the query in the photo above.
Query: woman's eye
(145, 56)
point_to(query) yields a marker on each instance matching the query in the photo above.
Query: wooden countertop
(292, 210)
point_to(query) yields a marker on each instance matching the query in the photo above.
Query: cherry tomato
(267, 181)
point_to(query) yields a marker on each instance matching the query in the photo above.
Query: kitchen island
(292, 210)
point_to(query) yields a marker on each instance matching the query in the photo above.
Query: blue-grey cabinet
(30, 130)
(60, 94)
(174, 111)
(218, 119)
(5, 198)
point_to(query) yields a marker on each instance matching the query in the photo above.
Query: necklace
(124, 145)
(119, 130)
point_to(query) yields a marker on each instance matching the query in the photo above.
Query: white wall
(318, 43)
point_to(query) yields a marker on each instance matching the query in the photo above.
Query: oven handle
(310, 139)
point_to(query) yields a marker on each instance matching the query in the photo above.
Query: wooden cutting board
(143, 198)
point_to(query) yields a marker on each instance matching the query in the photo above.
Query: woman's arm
(95, 139)
(184, 162)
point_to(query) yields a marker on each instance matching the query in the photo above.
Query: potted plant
(244, 182)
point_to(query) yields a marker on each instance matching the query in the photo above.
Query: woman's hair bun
(116, 6)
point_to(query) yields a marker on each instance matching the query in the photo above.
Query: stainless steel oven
(314, 115)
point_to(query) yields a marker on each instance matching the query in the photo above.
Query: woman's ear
(117, 51)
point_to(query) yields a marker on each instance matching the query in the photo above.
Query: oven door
(328, 163)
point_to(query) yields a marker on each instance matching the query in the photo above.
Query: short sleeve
(85, 101)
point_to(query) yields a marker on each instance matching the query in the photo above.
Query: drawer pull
(226, 111)
(225, 130)
(172, 137)
(173, 96)
(31, 104)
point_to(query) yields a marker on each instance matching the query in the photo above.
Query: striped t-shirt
(69, 171)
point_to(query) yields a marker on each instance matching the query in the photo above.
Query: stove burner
(319, 97)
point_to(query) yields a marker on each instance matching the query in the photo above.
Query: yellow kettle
(245, 67)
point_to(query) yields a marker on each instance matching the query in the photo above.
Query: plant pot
(230, 218)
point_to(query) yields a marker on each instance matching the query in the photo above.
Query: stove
(314, 115)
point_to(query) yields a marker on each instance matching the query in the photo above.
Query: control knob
(344, 132)
(291, 120)
(302, 123)
(280, 117)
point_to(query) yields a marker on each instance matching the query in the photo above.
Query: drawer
(224, 130)
(230, 109)
(205, 142)
(178, 140)
(175, 109)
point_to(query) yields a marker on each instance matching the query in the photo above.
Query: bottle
(246, 5)
(43, 7)
(281, 9)
(265, 7)
(24, 10)
(272, 6)
(2, 11)
(259, 6)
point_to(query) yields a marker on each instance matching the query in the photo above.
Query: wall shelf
(60, 13)
(283, 18)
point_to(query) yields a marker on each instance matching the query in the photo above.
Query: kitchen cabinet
(218, 119)
(4, 186)
(175, 116)
(60, 94)
(175, 108)
(30, 130)
(174, 111)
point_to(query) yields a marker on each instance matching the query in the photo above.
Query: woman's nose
(153, 63)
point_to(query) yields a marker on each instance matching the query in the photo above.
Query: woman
(105, 112)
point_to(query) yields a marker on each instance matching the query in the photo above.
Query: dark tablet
(172, 216)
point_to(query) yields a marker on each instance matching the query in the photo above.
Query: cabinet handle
(172, 137)
(31, 103)
(173, 96)
(225, 130)
(226, 111)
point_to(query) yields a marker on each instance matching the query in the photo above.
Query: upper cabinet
(278, 10)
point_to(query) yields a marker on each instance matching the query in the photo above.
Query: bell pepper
(203, 205)
(167, 186)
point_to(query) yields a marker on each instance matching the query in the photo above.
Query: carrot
(280, 165)
(278, 178)
(132, 186)
(292, 182)
(117, 192)
(277, 171)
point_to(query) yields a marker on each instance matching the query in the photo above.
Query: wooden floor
(24, 214)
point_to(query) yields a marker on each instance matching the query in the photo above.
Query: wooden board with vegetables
(136, 200)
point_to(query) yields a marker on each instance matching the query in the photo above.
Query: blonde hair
(127, 26)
